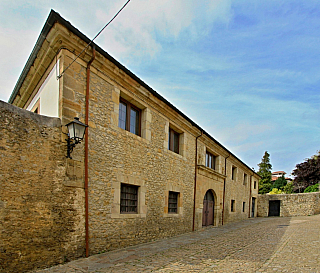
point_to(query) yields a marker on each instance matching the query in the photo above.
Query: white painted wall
(49, 96)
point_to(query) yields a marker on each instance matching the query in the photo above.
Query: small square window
(173, 202)
(129, 199)
(243, 206)
(234, 172)
(210, 160)
(173, 143)
(245, 178)
(233, 205)
(129, 117)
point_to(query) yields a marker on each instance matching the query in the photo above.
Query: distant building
(276, 175)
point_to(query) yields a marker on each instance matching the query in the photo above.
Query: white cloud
(13, 57)
(142, 25)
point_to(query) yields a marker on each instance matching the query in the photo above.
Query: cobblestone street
(286, 244)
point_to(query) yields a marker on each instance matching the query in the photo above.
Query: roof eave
(55, 17)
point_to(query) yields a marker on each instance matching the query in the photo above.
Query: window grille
(129, 199)
(173, 202)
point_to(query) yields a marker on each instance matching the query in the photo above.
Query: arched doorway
(208, 209)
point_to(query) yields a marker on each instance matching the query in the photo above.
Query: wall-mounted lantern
(76, 131)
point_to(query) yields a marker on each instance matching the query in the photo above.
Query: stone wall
(240, 190)
(117, 157)
(291, 204)
(41, 220)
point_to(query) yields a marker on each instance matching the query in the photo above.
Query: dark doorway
(253, 206)
(274, 208)
(208, 209)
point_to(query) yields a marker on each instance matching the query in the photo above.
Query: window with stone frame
(129, 117)
(210, 160)
(129, 199)
(173, 142)
(234, 173)
(233, 205)
(255, 184)
(173, 202)
(245, 179)
(243, 206)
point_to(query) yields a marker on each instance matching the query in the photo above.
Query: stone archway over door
(208, 209)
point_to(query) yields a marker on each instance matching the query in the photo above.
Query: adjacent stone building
(145, 170)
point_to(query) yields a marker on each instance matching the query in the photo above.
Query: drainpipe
(86, 148)
(250, 196)
(224, 188)
(195, 182)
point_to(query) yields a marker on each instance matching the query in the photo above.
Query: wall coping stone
(40, 119)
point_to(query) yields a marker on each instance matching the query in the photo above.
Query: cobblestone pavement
(277, 244)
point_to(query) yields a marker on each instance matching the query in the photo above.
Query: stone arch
(208, 211)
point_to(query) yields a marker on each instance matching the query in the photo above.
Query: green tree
(265, 168)
(280, 183)
(288, 188)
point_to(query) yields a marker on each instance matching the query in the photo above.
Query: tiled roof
(279, 172)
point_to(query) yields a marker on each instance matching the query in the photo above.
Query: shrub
(276, 191)
(312, 188)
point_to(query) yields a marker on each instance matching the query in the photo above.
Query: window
(243, 206)
(173, 144)
(173, 202)
(129, 117)
(245, 178)
(255, 184)
(36, 107)
(234, 173)
(129, 199)
(210, 160)
(232, 205)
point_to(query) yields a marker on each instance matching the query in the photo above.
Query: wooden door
(208, 209)
(253, 206)
(274, 208)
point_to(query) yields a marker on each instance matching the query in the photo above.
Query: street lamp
(76, 131)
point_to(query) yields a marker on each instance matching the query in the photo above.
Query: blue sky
(247, 72)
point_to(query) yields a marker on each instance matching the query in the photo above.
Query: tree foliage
(288, 188)
(313, 188)
(265, 168)
(307, 173)
(280, 183)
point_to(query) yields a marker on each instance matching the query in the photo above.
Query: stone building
(145, 170)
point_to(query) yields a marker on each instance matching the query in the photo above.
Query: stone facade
(117, 157)
(299, 204)
(41, 219)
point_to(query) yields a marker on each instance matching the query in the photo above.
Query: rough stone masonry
(41, 219)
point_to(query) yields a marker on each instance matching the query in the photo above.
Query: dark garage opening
(274, 208)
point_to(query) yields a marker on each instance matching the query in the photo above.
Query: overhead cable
(59, 76)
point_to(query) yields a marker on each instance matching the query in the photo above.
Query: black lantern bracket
(76, 131)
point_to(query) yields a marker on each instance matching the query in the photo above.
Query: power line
(59, 76)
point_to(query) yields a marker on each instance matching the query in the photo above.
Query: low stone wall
(41, 220)
(291, 204)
